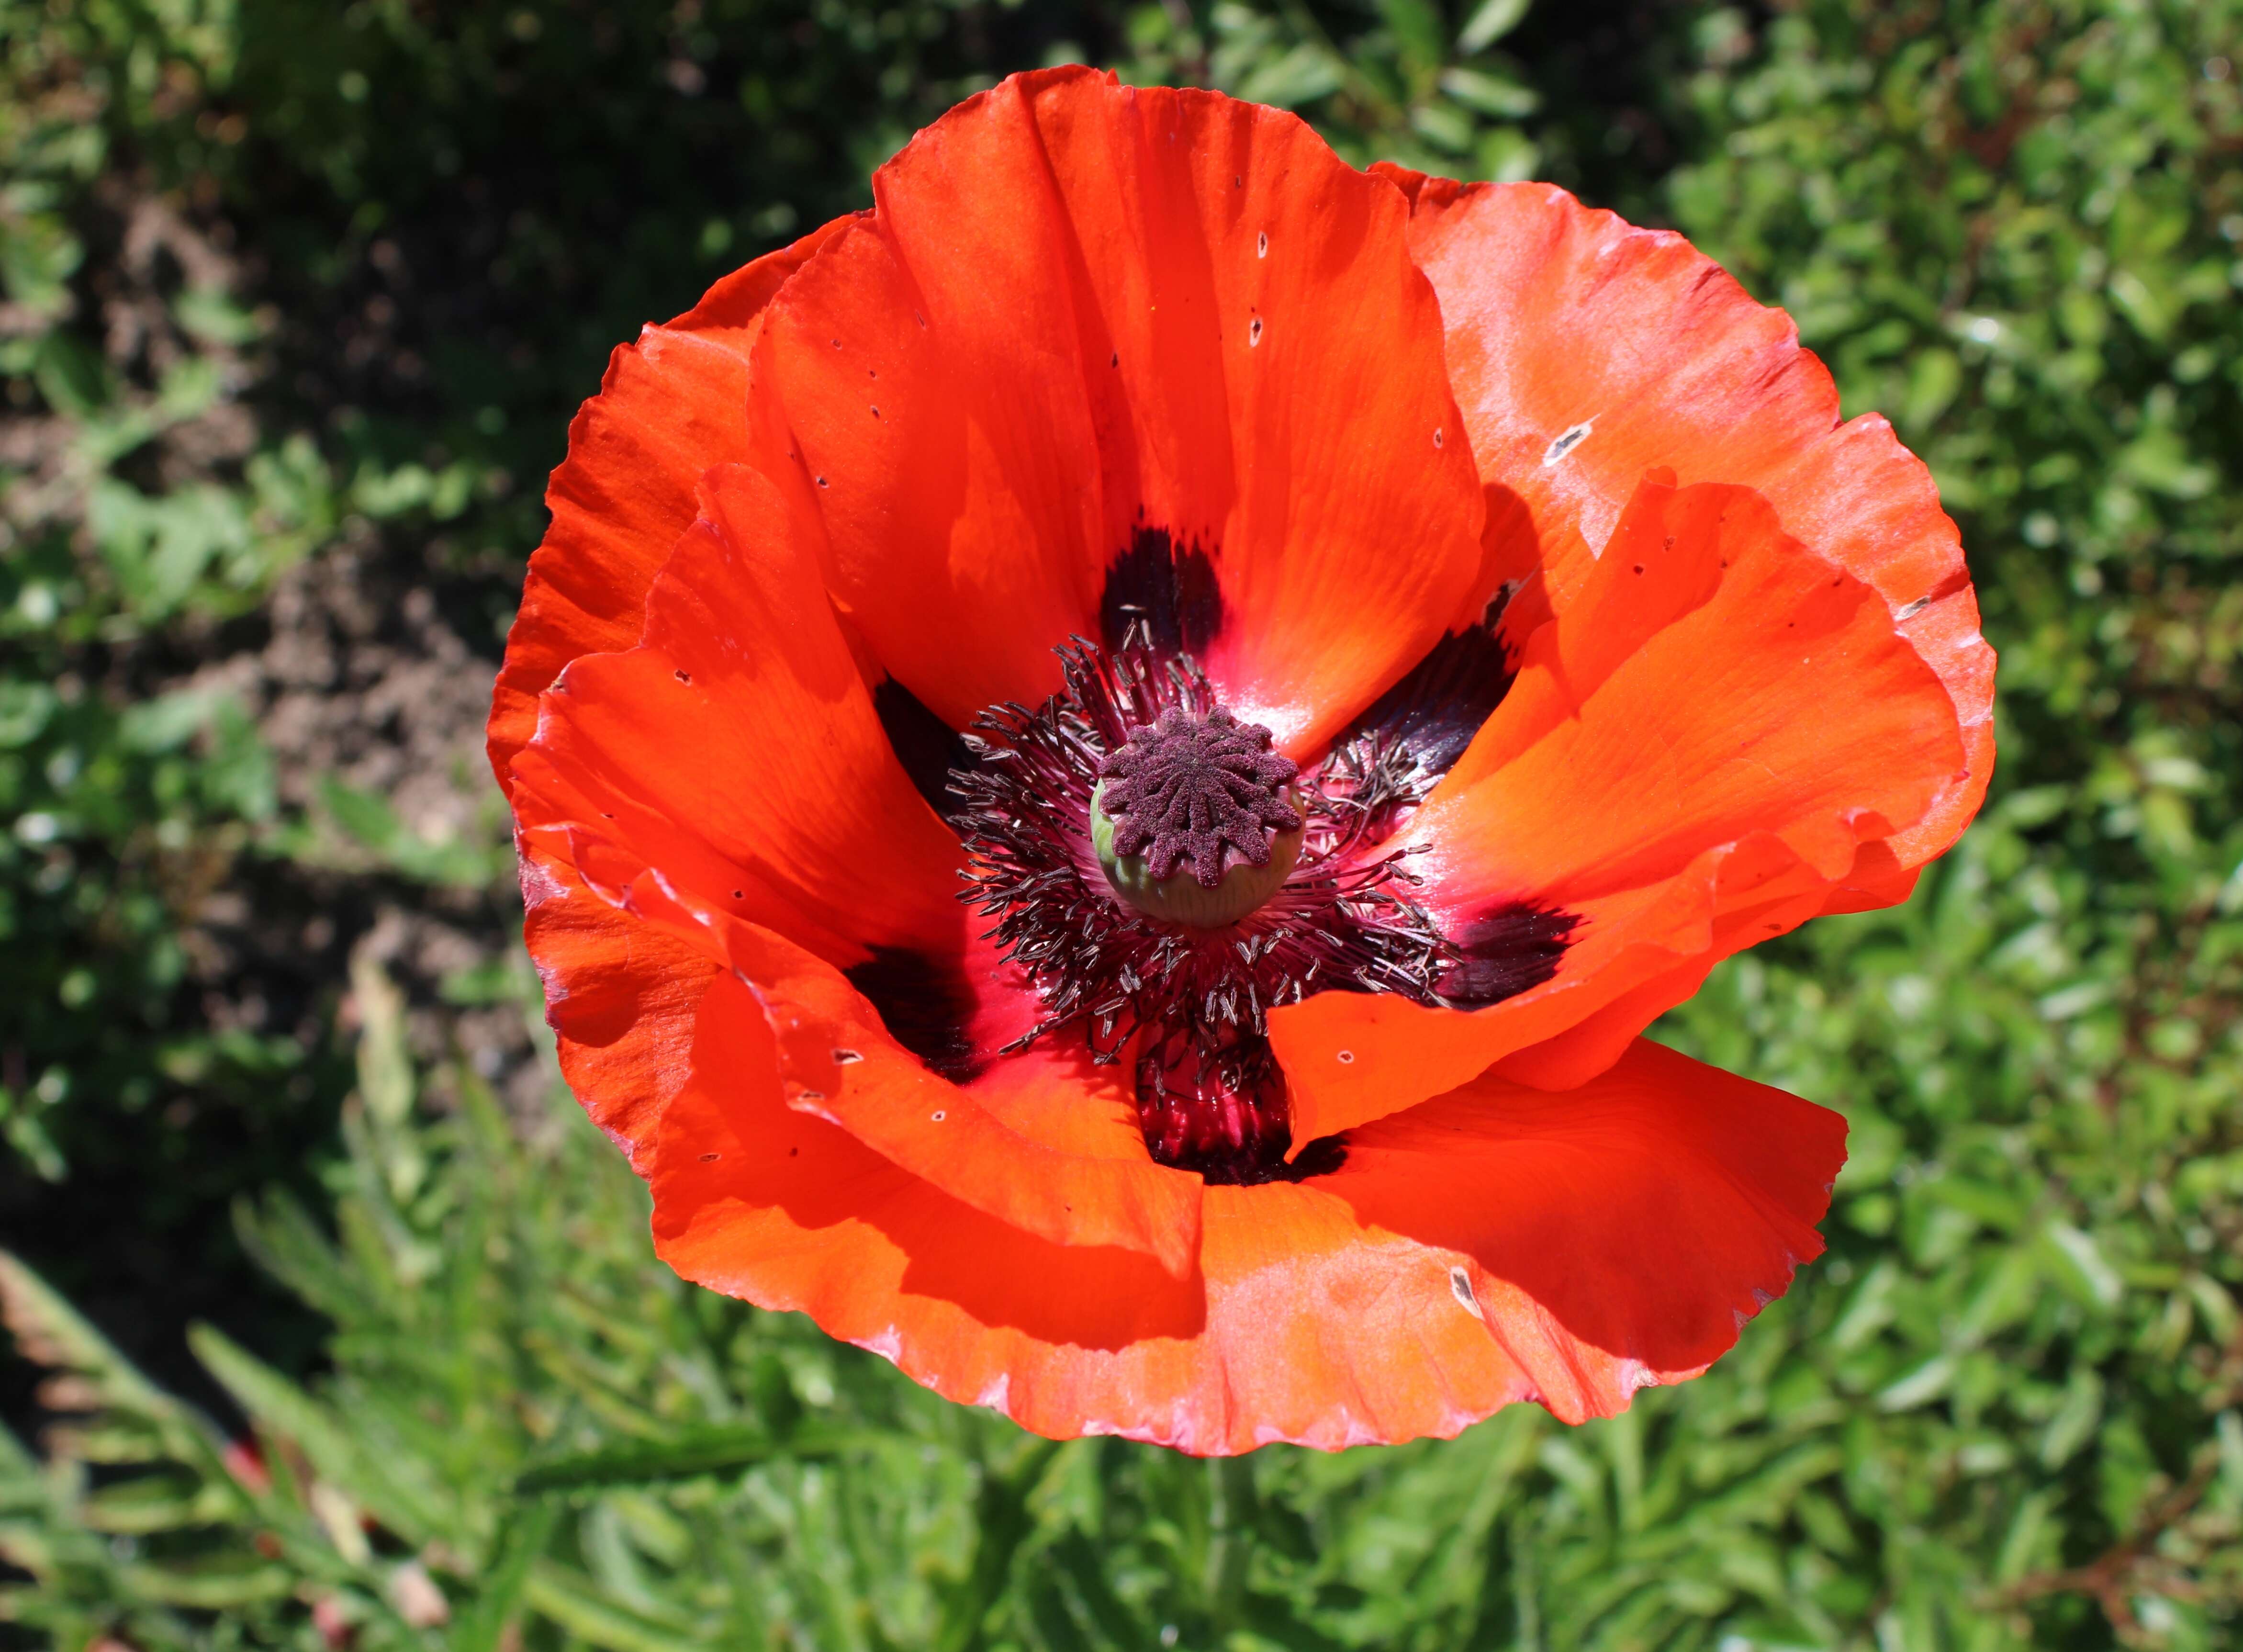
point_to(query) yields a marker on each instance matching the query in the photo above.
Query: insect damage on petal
(1565, 442)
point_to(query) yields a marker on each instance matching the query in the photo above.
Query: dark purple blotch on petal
(927, 747)
(1160, 596)
(1502, 952)
(1431, 713)
(925, 1006)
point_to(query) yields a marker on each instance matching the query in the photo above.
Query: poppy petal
(1047, 1150)
(672, 404)
(1585, 351)
(622, 1001)
(783, 1207)
(1078, 1175)
(1105, 355)
(1560, 1200)
(1489, 1247)
(738, 749)
(732, 772)
(1694, 755)
(730, 313)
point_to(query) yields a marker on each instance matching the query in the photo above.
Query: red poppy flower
(1367, 645)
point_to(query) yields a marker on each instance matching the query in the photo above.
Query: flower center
(1202, 792)
(1164, 881)
(1091, 827)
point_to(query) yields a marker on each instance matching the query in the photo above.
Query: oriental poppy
(1361, 646)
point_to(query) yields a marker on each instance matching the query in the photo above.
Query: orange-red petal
(1585, 351)
(622, 999)
(1617, 1234)
(1701, 747)
(1500, 1244)
(737, 748)
(1073, 1172)
(1048, 1151)
(672, 404)
(1089, 322)
(729, 782)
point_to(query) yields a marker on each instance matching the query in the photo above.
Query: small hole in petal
(821, 482)
(1436, 436)
(1346, 1058)
(1261, 245)
(810, 1096)
(1460, 1288)
(845, 1057)
(876, 412)
(682, 676)
(1254, 333)
(939, 1115)
(740, 894)
(711, 1158)
(1566, 441)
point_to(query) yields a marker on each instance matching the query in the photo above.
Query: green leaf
(397, 1492)
(569, 1602)
(712, 1450)
(501, 1586)
(1494, 20)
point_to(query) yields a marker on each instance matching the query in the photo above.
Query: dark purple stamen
(1198, 789)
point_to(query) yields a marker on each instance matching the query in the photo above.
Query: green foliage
(111, 802)
(2022, 241)
(2005, 1410)
(1403, 83)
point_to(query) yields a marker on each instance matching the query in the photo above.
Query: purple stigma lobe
(1198, 791)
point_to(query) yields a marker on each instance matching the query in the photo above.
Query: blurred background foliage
(334, 1326)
